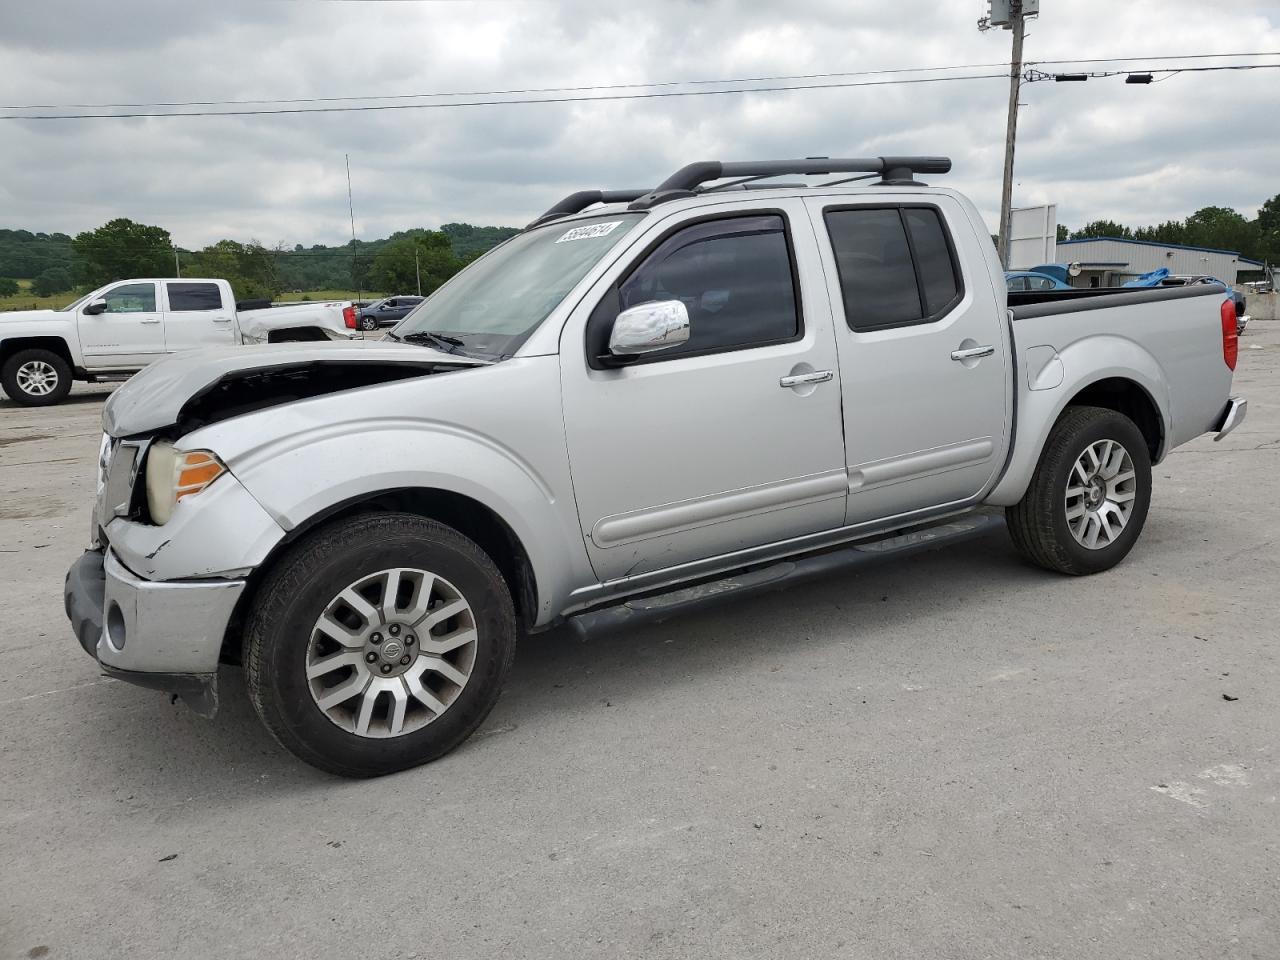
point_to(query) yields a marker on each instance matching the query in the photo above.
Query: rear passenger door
(923, 357)
(196, 316)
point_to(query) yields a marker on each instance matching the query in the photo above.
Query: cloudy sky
(1138, 154)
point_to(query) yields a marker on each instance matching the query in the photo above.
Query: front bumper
(163, 635)
(1232, 416)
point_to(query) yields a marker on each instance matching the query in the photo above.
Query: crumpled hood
(32, 316)
(156, 397)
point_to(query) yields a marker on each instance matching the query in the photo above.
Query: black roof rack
(689, 180)
(896, 171)
(577, 202)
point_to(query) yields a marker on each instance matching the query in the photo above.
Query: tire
(36, 378)
(315, 717)
(1054, 533)
(368, 323)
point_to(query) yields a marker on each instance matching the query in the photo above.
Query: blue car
(1019, 280)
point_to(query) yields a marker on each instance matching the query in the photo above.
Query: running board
(656, 608)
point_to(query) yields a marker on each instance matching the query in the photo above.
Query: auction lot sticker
(586, 233)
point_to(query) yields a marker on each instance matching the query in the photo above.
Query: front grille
(120, 475)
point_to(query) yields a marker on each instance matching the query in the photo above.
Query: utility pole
(1010, 14)
(177, 267)
(417, 270)
(351, 208)
(1016, 24)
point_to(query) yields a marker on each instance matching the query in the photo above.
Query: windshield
(74, 303)
(495, 304)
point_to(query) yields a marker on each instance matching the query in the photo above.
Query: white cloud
(1136, 154)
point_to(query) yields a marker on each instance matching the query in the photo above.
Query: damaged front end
(207, 386)
(175, 534)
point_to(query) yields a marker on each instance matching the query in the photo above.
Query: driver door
(129, 333)
(730, 441)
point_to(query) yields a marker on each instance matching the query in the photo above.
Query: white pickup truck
(623, 412)
(120, 328)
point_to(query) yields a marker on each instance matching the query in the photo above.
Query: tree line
(122, 248)
(1218, 227)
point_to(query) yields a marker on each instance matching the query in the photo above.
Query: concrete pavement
(955, 755)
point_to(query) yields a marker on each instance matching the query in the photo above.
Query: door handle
(799, 379)
(221, 319)
(972, 353)
(156, 320)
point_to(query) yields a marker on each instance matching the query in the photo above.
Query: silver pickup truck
(646, 401)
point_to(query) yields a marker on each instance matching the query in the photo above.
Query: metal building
(1110, 261)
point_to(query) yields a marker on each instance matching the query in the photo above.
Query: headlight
(173, 474)
(104, 461)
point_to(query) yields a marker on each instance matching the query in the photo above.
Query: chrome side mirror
(95, 307)
(649, 327)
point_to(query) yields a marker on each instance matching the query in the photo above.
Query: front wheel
(379, 643)
(36, 378)
(1089, 497)
(368, 323)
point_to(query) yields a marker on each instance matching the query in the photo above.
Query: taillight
(349, 317)
(1230, 339)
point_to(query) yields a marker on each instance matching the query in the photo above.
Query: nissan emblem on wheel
(647, 400)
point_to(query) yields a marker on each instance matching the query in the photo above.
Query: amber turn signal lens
(195, 472)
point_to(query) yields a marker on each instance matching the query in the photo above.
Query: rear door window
(896, 265)
(194, 296)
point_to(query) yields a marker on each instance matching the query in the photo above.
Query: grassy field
(26, 300)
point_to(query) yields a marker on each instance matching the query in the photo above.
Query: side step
(656, 608)
(120, 377)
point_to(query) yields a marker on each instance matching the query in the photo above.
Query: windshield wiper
(440, 340)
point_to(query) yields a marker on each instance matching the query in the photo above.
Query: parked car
(120, 328)
(1020, 280)
(387, 312)
(619, 414)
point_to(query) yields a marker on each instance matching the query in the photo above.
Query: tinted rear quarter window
(194, 296)
(873, 259)
(933, 258)
(895, 265)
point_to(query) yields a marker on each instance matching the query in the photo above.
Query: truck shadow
(558, 675)
(71, 400)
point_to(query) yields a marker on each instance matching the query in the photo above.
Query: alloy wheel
(391, 652)
(37, 378)
(1100, 494)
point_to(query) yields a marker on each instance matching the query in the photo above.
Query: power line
(1173, 56)
(498, 93)
(496, 103)
(1032, 75)
(610, 86)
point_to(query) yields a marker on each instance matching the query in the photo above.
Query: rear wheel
(36, 378)
(380, 643)
(1088, 500)
(368, 323)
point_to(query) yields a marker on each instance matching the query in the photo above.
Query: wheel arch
(473, 519)
(1128, 380)
(58, 345)
(1128, 397)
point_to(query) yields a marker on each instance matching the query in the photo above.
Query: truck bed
(1041, 303)
(1168, 334)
